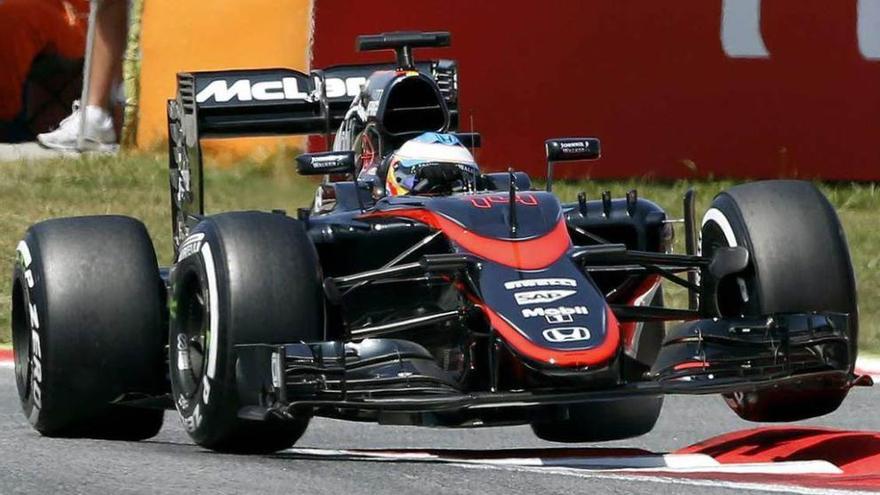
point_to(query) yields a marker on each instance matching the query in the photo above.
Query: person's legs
(111, 26)
(108, 49)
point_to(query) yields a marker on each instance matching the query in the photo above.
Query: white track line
(7, 364)
(665, 463)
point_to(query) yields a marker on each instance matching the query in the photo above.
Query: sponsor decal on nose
(541, 296)
(528, 283)
(566, 334)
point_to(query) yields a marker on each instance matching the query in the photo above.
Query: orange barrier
(221, 34)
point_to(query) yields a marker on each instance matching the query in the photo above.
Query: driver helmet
(431, 149)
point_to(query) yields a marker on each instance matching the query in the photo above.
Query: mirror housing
(569, 150)
(326, 162)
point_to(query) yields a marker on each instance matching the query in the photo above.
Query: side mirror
(569, 150)
(327, 162)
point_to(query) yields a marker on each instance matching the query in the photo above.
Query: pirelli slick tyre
(240, 278)
(601, 421)
(799, 262)
(87, 327)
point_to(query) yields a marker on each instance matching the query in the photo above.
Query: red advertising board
(684, 88)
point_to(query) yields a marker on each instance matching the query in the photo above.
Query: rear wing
(261, 102)
(250, 102)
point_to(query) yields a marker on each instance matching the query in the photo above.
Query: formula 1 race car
(422, 293)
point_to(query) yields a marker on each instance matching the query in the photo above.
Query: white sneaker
(99, 134)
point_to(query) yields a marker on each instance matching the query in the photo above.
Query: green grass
(136, 185)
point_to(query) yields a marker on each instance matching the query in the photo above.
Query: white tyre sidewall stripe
(715, 215)
(214, 305)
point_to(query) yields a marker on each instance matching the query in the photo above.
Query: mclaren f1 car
(418, 290)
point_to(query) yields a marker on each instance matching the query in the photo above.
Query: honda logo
(566, 334)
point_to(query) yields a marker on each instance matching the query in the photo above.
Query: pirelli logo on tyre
(23, 253)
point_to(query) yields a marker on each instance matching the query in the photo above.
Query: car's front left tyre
(799, 262)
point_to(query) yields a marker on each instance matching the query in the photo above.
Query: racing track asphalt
(170, 463)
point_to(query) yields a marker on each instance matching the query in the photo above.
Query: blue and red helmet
(429, 149)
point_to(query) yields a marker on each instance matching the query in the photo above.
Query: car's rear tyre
(87, 327)
(799, 262)
(601, 421)
(241, 278)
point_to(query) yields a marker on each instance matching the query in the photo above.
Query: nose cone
(555, 316)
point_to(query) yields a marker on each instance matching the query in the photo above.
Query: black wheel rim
(730, 299)
(21, 338)
(193, 334)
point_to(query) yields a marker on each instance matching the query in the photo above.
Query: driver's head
(432, 163)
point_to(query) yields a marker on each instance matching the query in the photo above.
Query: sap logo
(337, 87)
(541, 296)
(566, 334)
(242, 90)
(557, 311)
(490, 201)
(540, 282)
